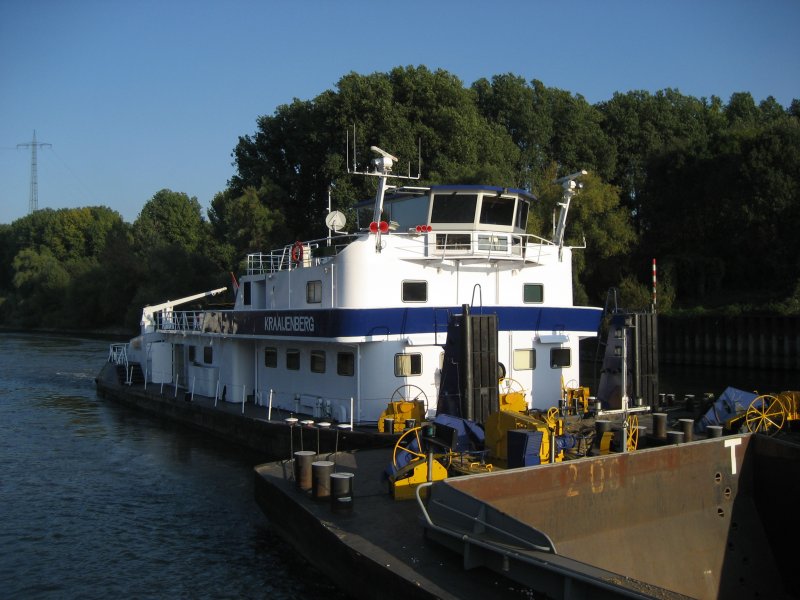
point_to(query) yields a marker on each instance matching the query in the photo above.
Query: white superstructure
(335, 327)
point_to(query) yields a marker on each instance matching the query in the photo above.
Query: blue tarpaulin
(730, 403)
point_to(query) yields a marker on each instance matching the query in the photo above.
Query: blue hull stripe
(336, 323)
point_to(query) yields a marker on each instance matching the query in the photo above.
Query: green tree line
(709, 189)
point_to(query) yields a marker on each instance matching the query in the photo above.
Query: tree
(597, 220)
(40, 281)
(171, 218)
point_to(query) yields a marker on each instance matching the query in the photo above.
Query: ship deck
(378, 548)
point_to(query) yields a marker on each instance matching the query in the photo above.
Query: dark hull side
(250, 429)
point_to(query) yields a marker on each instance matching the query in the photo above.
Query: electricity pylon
(33, 201)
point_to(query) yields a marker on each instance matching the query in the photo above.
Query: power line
(33, 201)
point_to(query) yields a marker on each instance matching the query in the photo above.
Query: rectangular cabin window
(317, 361)
(208, 355)
(293, 359)
(313, 292)
(522, 214)
(406, 365)
(492, 243)
(454, 208)
(453, 241)
(560, 357)
(533, 293)
(525, 359)
(246, 299)
(415, 291)
(345, 364)
(271, 358)
(192, 354)
(497, 211)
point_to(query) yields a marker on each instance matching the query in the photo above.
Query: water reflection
(102, 501)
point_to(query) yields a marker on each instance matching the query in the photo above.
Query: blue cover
(470, 436)
(730, 403)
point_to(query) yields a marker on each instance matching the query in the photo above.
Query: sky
(135, 96)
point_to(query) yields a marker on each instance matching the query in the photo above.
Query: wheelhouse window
(208, 355)
(415, 291)
(313, 292)
(406, 365)
(293, 359)
(271, 358)
(192, 354)
(246, 293)
(454, 208)
(525, 359)
(522, 214)
(533, 293)
(497, 211)
(317, 361)
(345, 364)
(560, 357)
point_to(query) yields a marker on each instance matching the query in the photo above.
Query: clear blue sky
(137, 96)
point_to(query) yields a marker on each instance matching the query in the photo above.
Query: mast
(570, 187)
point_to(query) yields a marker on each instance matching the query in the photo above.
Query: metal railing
(118, 354)
(179, 320)
(284, 259)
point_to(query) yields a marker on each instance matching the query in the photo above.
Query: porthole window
(406, 365)
(533, 293)
(293, 360)
(313, 292)
(560, 358)
(525, 359)
(271, 357)
(415, 291)
(345, 364)
(317, 361)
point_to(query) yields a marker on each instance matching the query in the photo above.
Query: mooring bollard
(342, 491)
(321, 471)
(714, 431)
(388, 425)
(302, 468)
(674, 437)
(687, 426)
(660, 425)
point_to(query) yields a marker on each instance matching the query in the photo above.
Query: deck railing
(118, 354)
(433, 245)
(179, 320)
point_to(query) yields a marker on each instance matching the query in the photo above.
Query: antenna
(383, 165)
(569, 187)
(33, 201)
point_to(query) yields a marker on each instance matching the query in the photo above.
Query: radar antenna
(383, 166)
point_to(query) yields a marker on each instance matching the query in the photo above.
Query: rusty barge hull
(708, 519)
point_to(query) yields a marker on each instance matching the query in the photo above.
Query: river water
(100, 501)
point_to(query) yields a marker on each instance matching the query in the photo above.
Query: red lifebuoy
(297, 251)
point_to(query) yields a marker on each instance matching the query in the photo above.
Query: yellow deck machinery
(408, 403)
(770, 413)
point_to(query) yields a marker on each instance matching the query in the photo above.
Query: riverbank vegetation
(711, 189)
